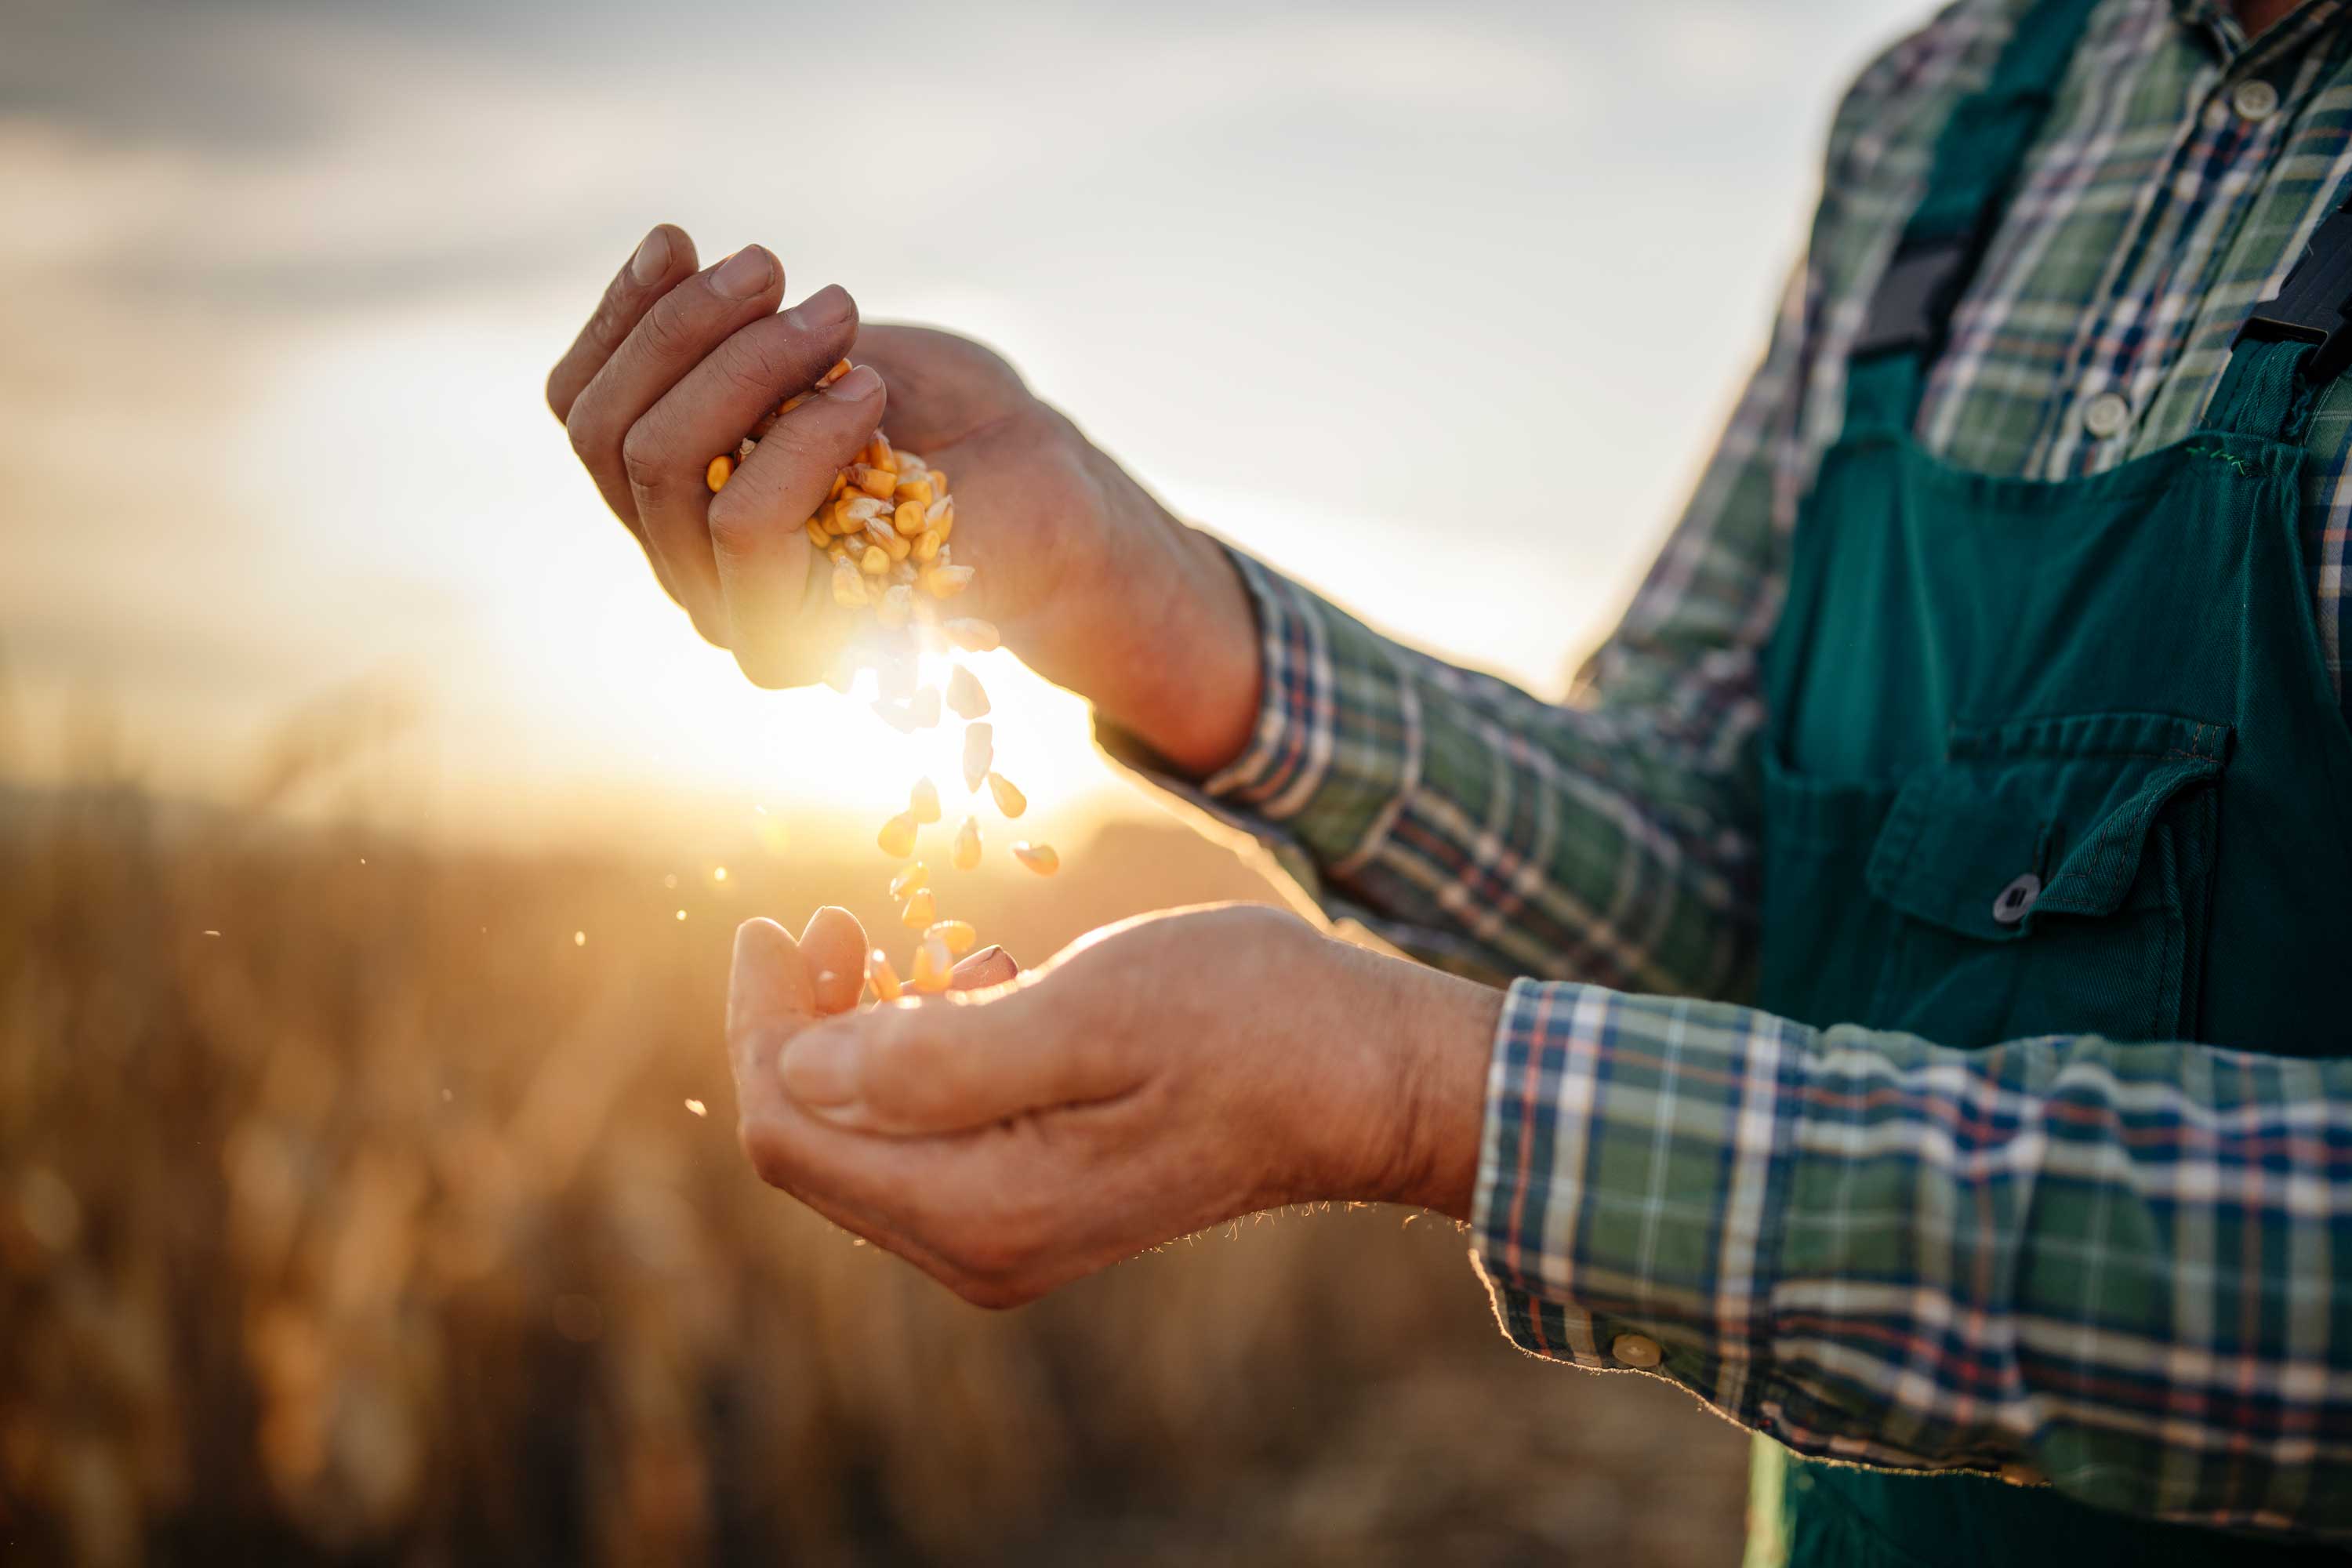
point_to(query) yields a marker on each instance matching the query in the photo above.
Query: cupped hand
(1155, 1077)
(1087, 578)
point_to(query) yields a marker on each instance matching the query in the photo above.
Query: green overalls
(2050, 758)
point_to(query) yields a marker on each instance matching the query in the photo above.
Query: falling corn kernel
(921, 909)
(897, 836)
(966, 700)
(979, 751)
(934, 966)
(881, 976)
(924, 711)
(967, 844)
(958, 936)
(848, 586)
(946, 582)
(971, 635)
(898, 604)
(696, 1107)
(1038, 857)
(1009, 800)
(721, 469)
(579, 937)
(915, 876)
(923, 801)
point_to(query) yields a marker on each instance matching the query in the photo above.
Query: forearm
(2109, 1264)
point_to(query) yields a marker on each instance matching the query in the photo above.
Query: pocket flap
(2068, 802)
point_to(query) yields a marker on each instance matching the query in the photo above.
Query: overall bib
(2050, 758)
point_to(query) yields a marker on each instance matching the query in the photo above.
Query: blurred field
(375, 1229)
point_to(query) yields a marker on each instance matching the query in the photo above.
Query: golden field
(375, 1229)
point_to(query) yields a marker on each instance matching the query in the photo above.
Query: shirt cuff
(1630, 1179)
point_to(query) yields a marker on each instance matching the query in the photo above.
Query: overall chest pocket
(2052, 877)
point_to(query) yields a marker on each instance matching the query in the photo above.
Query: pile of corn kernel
(885, 527)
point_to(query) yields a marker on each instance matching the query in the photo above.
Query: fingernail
(862, 383)
(651, 258)
(745, 273)
(819, 1067)
(823, 310)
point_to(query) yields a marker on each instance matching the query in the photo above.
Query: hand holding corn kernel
(1073, 565)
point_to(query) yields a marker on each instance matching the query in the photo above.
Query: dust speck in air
(697, 1108)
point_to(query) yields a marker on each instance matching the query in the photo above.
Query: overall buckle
(2313, 305)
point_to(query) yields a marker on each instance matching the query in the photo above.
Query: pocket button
(2016, 899)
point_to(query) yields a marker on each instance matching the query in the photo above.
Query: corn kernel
(849, 587)
(857, 510)
(924, 706)
(840, 483)
(971, 635)
(908, 517)
(923, 801)
(967, 844)
(884, 979)
(917, 875)
(927, 545)
(915, 492)
(875, 561)
(934, 967)
(896, 604)
(899, 547)
(841, 367)
(1038, 857)
(897, 836)
(717, 474)
(965, 698)
(1009, 800)
(921, 909)
(818, 535)
(979, 751)
(939, 483)
(958, 936)
(946, 582)
(874, 481)
(941, 515)
(879, 454)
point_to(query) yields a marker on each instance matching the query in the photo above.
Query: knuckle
(591, 436)
(646, 456)
(666, 333)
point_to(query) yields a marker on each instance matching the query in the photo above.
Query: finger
(771, 997)
(669, 339)
(661, 258)
(834, 948)
(952, 1064)
(760, 555)
(989, 967)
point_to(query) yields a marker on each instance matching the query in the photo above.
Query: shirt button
(1636, 1350)
(2254, 99)
(2107, 415)
(2015, 899)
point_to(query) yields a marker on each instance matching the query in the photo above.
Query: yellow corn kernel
(938, 482)
(1038, 857)
(916, 874)
(965, 698)
(897, 836)
(957, 936)
(874, 481)
(818, 535)
(879, 454)
(881, 976)
(921, 909)
(979, 751)
(840, 483)
(910, 464)
(927, 546)
(971, 635)
(934, 967)
(849, 587)
(915, 491)
(898, 546)
(716, 475)
(875, 561)
(941, 515)
(967, 844)
(923, 801)
(909, 519)
(841, 367)
(1009, 799)
(946, 582)
(862, 508)
(896, 603)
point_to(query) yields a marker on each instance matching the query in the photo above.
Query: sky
(280, 284)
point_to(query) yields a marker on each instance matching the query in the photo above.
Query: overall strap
(2293, 342)
(1976, 160)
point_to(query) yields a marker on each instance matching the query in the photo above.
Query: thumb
(951, 1063)
(771, 997)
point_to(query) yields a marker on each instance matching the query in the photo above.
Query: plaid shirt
(1817, 1231)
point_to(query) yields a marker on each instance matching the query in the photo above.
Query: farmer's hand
(1155, 1077)
(1088, 578)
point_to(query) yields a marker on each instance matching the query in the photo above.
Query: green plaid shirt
(1801, 1226)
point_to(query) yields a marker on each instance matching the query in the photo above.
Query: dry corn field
(376, 1229)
